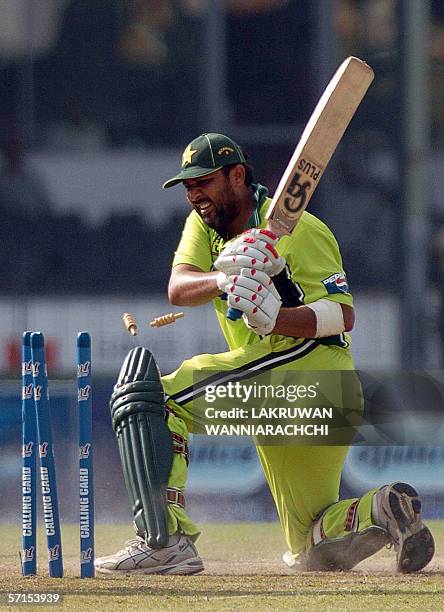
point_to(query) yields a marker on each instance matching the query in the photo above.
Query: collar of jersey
(260, 193)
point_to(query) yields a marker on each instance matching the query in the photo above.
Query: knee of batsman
(144, 415)
(138, 404)
(134, 400)
(138, 390)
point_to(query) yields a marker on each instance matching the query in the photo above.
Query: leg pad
(145, 443)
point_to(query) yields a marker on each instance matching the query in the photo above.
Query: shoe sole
(342, 554)
(186, 568)
(417, 546)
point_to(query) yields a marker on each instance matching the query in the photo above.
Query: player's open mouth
(205, 207)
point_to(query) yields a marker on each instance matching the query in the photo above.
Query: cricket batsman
(296, 311)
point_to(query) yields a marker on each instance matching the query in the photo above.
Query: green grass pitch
(243, 572)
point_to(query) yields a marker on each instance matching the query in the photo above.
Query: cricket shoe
(179, 557)
(397, 508)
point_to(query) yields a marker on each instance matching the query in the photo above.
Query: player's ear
(237, 174)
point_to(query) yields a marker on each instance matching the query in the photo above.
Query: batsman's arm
(300, 321)
(190, 286)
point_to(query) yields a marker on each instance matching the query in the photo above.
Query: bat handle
(234, 314)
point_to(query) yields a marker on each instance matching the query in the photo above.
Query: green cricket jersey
(312, 255)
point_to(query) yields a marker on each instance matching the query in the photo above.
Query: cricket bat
(318, 142)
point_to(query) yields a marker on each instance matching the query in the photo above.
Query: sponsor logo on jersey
(217, 246)
(336, 283)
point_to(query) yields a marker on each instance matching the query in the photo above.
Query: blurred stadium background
(99, 98)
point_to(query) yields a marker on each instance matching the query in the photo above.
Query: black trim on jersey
(291, 293)
(338, 340)
(247, 370)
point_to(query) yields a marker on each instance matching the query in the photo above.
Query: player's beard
(224, 213)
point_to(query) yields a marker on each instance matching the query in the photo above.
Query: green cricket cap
(206, 154)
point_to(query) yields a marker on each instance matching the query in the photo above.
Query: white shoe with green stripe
(179, 557)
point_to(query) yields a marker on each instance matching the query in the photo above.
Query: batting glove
(255, 249)
(223, 281)
(254, 293)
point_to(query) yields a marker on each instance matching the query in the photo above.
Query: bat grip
(232, 313)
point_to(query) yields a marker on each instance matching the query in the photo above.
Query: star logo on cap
(187, 156)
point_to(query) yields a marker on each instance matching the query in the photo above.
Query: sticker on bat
(297, 194)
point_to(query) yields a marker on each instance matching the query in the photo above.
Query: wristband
(329, 318)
